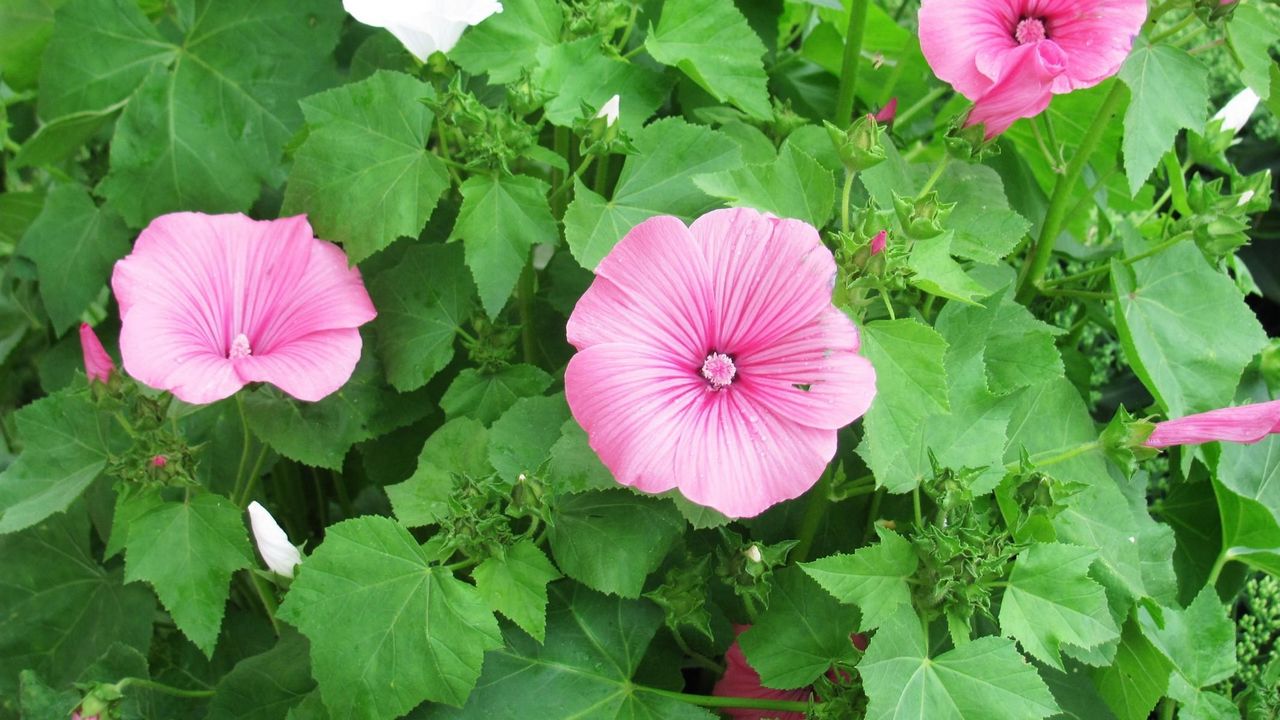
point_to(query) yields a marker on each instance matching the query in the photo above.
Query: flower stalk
(849, 65)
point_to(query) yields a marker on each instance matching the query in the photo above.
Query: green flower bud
(861, 146)
(923, 217)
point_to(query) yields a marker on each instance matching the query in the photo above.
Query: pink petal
(821, 356)
(308, 368)
(652, 289)
(888, 112)
(742, 681)
(1024, 88)
(1096, 35)
(98, 365)
(964, 41)
(770, 276)
(163, 349)
(635, 403)
(1243, 424)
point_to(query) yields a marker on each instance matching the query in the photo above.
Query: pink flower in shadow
(1011, 56)
(711, 359)
(209, 303)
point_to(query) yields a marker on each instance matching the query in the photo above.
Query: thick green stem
(1224, 557)
(161, 688)
(1040, 254)
(732, 702)
(524, 296)
(1167, 706)
(247, 440)
(849, 67)
(813, 512)
(844, 200)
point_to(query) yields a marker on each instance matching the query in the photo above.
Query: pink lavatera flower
(742, 681)
(1242, 424)
(209, 303)
(98, 365)
(1011, 56)
(711, 359)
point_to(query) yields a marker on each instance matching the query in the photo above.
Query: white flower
(609, 111)
(1238, 110)
(274, 546)
(423, 26)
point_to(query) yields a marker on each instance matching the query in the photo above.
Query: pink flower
(879, 242)
(1011, 56)
(742, 681)
(159, 461)
(1243, 424)
(98, 365)
(209, 303)
(711, 359)
(888, 112)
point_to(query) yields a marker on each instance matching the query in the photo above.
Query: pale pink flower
(742, 681)
(1011, 56)
(879, 242)
(1243, 424)
(98, 365)
(209, 303)
(888, 112)
(711, 359)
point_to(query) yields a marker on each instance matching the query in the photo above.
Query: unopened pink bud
(159, 461)
(98, 365)
(887, 112)
(879, 242)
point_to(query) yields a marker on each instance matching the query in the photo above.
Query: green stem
(849, 66)
(631, 24)
(560, 143)
(920, 105)
(1084, 294)
(1224, 557)
(444, 151)
(247, 442)
(1167, 706)
(698, 658)
(1101, 269)
(568, 181)
(844, 200)
(524, 296)
(162, 688)
(1181, 25)
(1055, 218)
(1061, 456)
(252, 482)
(732, 702)
(872, 512)
(813, 512)
(602, 176)
(933, 179)
(915, 507)
(268, 601)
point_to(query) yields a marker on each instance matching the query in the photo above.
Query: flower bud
(888, 112)
(753, 553)
(609, 111)
(159, 461)
(1236, 113)
(273, 544)
(860, 147)
(602, 129)
(879, 242)
(98, 365)
(923, 217)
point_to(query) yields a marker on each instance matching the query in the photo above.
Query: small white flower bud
(609, 111)
(753, 554)
(1238, 110)
(279, 554)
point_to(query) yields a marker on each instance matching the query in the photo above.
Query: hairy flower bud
(861, 146)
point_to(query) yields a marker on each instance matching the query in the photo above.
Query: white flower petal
(1238, 110)
(273, 544)
(609, 111)
(423, 26)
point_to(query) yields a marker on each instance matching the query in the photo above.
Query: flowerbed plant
(664, 359)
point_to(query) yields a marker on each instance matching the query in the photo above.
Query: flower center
(1030, 30)
(239, 348)
(719, 370)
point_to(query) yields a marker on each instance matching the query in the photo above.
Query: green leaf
(74, 244)
(1020, 350)
(874, 578)
(501, 219)
(1169, 90)
(574, 466)
(38, 700)
(801, 635)
(459, 447)
(187, 551)
(1167, 305)
(595, 646)
(486, 396)
(507, 42)
(793, 186)
(25, 26)
(986, 229)
(62, 610)
(1200, 641)
(62, 137)
(586, 530)
(364, 176)
(515, 584)
(204, 129)
(264, 686)
(520, 441)
(1137, 679)
(580, 72)
(387, 628)
(422, 302)
(711, 42)
(1248, 489)
(1051, 601)
(320, 433)
(937, 273)
(656, 180)
(1252, 34)
(985, 679)
(66, 445)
